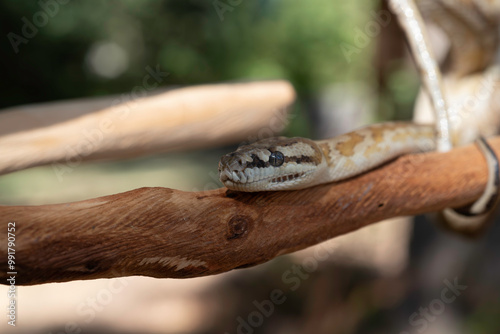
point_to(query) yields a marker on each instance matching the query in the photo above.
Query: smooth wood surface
(162, 232)
(70, 132)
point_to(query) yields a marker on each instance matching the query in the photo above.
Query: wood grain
(70, 132)
(162, 232)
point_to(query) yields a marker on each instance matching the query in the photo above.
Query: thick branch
(115, 127)
(163, 232)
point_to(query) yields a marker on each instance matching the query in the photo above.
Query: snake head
(278, 163)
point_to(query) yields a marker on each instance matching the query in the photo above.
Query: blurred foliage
(295, 40)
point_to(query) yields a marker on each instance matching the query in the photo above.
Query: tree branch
(163, 232)
(69, 132)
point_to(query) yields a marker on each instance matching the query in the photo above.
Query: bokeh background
(343, 80)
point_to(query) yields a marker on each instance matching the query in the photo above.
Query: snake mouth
(241, 179)
(289, 177)
(224, 178)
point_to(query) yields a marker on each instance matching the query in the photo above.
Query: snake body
(282, 163)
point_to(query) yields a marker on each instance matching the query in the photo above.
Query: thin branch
(163, 232)
(115, 127)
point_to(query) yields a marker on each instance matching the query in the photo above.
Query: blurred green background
(297, 41)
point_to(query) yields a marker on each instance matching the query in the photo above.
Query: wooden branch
(115, 127)
(162, 232)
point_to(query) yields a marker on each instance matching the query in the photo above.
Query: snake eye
(276, 159)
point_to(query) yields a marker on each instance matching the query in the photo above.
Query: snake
(280, 163)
